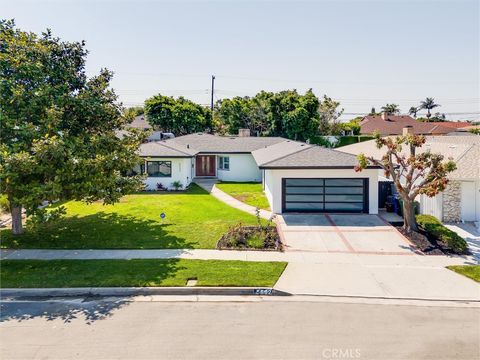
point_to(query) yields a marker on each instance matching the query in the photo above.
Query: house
(461, 199)
(142, 124)
(394, 124)
(297, 177)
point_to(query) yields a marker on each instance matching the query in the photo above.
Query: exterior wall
(273, 183)
(452, 202)
(242, 168)
(181, 171)
(432, 205)
(470, 194)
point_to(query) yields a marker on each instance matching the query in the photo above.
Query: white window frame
(222, 163)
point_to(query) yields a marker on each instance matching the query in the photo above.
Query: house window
(159, 168)
(223, 163)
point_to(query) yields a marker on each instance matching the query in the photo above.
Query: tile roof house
(297, 177)
(395, 125)
(461, 200)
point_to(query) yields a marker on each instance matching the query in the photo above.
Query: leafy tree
(373, 112)
(180, 116)
(329, 123)
(58, 126)
(391, 109)
(428, 104)
(132, 112)
(412, 173)
(285, 113)
(413, 111)
(353, 126)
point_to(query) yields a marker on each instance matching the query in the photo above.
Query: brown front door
(205, 165)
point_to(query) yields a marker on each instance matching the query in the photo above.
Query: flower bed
(241, 237)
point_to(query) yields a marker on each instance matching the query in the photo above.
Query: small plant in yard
(177, 185)
(160, 187)
(263, 236)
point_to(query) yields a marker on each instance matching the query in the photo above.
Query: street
(113, 328)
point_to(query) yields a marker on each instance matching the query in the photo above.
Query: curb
(134, 291)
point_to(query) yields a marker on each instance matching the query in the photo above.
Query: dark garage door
(325, 195)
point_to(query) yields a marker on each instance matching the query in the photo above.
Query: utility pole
(213, 91)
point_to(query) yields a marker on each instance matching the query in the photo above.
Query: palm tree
(428, 104)
(413, 111)
(391, 109)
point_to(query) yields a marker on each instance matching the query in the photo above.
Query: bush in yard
(4, 204)
(434, 227)
(177, 185)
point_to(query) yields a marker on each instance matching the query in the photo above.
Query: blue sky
(363, 53)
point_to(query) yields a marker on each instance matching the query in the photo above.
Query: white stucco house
(297, 177)
(461, 199)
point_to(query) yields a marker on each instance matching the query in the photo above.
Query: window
(159, 168)
(223, 163)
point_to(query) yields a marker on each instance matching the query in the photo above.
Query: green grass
(144, 272)
(247, 192)
(194, 219)
(471, 271)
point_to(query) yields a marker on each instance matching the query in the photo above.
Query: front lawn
(471, 271)
(247, 192)
(194, 219)
(139, 272)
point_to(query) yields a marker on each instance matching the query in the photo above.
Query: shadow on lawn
(87, 309)
(98, 231)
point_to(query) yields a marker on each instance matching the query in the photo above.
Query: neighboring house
(297, 177)
(395, 125)
(461, 199)
(142, 124)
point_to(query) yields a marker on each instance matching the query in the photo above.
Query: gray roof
(206, 143)
(313, 156)
(140, 123)
(464, 150)
(162, 149)
(276, 151)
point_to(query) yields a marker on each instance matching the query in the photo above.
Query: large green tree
(330, 113)
(285, 113)
(180, 116)
(412, 173)
(391, 109)
(57, 138)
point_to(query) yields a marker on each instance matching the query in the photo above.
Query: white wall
(431, 205)
(242, 168)
(273, 183)
(181, 171)
(470, 202)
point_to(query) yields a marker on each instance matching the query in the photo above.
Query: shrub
(177, 185)
(160, 187)
(4, 204)
(435, 228)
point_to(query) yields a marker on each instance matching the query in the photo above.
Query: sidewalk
(317, 273)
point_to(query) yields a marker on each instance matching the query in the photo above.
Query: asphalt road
(115, 329)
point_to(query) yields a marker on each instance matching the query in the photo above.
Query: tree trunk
(17, 227)
(409, 221)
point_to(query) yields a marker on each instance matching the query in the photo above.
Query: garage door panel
(344, 206)
(314, 207)
(344, 190)
(304, 198)
(304, 190)
(345, 197)
(344, 182)
(325, 195)
(304, 182)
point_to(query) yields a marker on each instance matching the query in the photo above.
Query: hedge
(435, 228)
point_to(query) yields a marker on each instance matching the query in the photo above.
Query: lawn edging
(139, 291)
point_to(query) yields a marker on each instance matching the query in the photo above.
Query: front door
(205, 165)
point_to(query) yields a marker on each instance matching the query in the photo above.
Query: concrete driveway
(342, 233)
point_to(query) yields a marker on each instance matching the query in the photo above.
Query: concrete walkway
(209, 185)
(317, 273)
(471, 234)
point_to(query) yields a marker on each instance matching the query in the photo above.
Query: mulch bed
(425, 242)
(238, 237)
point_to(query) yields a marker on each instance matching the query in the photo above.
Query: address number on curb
(263, 291)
